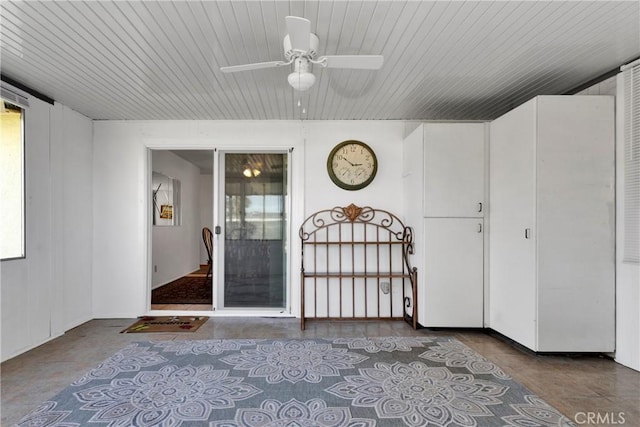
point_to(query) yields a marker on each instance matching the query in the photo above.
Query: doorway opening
(182, 205)
(245, 203)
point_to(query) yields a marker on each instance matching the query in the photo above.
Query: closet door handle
(480, 207)
(479, 227)
(527, 233)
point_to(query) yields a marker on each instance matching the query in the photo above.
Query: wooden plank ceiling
(443, 59)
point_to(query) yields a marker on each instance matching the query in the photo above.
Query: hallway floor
(580, 386)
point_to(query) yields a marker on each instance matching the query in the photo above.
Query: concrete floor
(578, 386)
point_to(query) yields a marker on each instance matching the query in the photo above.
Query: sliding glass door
(253, 227)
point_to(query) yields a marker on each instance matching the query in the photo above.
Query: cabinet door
(454, 272)
(454, 169)
(575, 238)
(512, 287)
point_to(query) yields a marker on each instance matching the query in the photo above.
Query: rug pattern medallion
(345, 382)
(294, 361)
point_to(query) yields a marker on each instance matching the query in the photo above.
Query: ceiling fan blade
(364, 62)
(299, 30)
(255, 66)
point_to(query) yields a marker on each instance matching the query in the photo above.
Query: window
(255, 194)
(12, 229)
(632, 164)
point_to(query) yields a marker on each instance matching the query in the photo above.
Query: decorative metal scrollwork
(354, 214)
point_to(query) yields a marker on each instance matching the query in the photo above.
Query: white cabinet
(454, 272)
(444, 193)
(454, 169)
(551, 239)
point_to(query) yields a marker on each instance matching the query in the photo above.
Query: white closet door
(512, 230)
(454, 272)
(454, 169)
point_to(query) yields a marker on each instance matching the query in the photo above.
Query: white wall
(175, 249)
(49, 291)
(121, 266)
(384, 137)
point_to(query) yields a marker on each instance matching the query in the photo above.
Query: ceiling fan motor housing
(290, 53)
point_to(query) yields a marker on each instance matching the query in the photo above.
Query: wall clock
(352, 165)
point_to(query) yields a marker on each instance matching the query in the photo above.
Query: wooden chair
(207, 238)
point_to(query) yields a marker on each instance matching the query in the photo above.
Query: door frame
(147, 203)
(295, 178)
(218, 246)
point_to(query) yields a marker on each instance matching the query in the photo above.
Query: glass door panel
(255, 187)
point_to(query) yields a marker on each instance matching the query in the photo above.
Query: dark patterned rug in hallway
(185, 290)
(349, 382)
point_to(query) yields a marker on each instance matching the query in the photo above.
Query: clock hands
(352, 165)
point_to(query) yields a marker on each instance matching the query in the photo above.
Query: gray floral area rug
(355, 382)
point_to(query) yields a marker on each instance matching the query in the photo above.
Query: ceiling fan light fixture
(301, 81)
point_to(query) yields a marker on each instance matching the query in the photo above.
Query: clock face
(352, 165)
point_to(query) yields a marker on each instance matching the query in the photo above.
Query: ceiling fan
(301, 49)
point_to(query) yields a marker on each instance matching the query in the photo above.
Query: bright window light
(11, 181)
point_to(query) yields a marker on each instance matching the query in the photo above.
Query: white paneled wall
(72, 156)
(27, 286)
(47, 292)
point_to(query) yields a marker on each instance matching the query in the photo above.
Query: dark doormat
(166, 324)
(185, 290)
